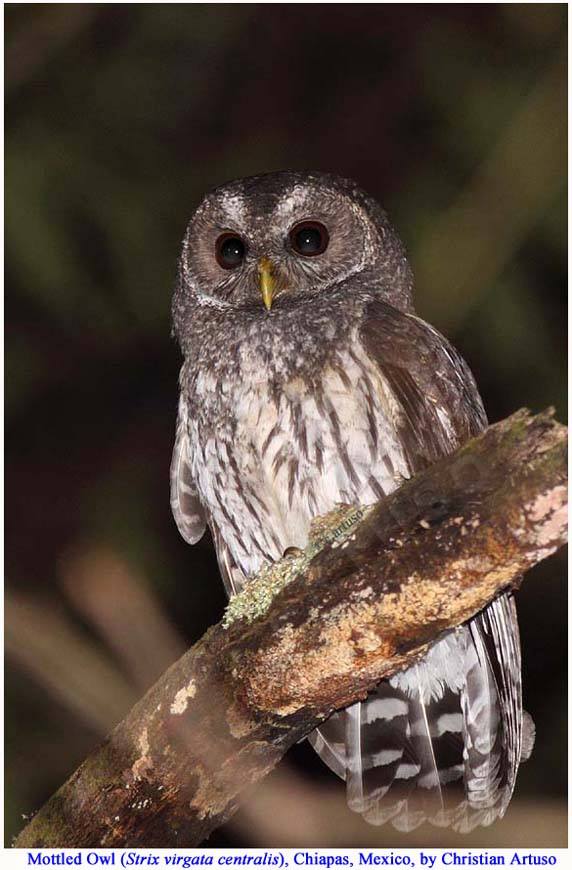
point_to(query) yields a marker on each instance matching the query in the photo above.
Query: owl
(308, 381)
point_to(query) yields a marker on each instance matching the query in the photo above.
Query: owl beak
(267, 281)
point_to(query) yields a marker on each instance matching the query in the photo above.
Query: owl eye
(309, 238)
(230, 251)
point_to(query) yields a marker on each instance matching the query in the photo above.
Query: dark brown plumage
(308, 381)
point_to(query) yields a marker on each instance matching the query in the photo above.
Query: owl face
(282, 238)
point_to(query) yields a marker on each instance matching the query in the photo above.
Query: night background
(118, 119)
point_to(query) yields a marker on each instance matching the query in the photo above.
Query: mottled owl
(308, 381)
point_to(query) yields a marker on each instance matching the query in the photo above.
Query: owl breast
(272, 450)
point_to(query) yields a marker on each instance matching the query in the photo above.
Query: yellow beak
(267, 281)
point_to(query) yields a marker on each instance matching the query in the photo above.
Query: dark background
(118, 118)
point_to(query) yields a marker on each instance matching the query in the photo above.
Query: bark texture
(312, 634)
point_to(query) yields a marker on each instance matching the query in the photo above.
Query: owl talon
(292, 553)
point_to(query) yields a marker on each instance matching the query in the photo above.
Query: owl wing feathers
(456, 716)
(190, 515)
(185, 503)
(232, 577)
(440, 402)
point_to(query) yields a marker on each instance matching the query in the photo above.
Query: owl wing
(456, 716)
(440, 403)
(232, 577)
(190, 515)
(185, 504)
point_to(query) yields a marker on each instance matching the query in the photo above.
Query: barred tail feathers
(441, 741)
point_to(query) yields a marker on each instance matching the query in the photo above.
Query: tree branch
(312, 634)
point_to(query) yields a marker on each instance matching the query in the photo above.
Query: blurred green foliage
(118, 118)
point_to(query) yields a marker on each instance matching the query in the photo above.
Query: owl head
(281, 239)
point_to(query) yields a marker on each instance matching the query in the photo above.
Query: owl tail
(440, 742)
